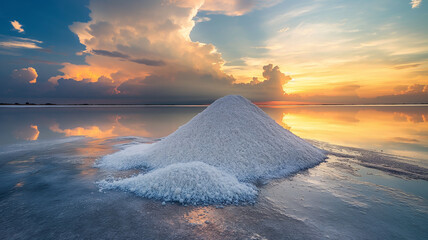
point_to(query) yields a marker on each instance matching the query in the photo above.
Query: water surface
(369, 188)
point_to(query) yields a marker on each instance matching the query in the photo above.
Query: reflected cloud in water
(91, 131)
(28, 133)
(401, 130)
(397, 130)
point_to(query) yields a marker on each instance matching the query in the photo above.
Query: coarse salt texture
(188, 183)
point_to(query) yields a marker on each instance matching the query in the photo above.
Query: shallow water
(371, 187)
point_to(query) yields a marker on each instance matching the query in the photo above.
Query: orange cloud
(82, 72)
(136, 39)
(25, 74)
(17, 26)
(415, 3)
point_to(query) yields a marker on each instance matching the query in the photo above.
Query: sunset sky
(195, 51)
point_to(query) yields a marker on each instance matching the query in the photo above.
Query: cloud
(415, 3)
(417, 88)
(145, 51)
(269, 89)
(284, 29)
(110, 54)
(28, 75)
(406, 66)
(294, 13)
(411, 89)
(148, 62)
(227, 7)
(414, 93)
(18, 42)
(202, 19)
(404, 139)
(84, 89)
(320, 53)
(153, 38)
(17, 26)
(186, 87)
(233, 8)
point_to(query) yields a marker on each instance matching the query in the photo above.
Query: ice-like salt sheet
(187, 183)
(233, 135)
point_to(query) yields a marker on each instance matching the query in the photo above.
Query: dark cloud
(193, 87)
(116, 54)
(110, 54)
(415, 93)
(268, 90)
(186, 87)
(69, 88)
(26, 75)
(406, 66)
(101, 29)
(418, 97)
(403, 139)
(148, 62)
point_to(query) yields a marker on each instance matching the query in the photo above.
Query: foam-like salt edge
(188, 183)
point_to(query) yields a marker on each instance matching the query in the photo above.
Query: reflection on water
(48, 190)
(201, 216)
(29, 133)
(401, 130)
(18, 124)
(91, 131)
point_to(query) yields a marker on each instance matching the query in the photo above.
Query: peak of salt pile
(187, 183)
(233, 135)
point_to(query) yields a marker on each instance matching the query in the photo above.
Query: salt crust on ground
(188, 183)
(233, 135)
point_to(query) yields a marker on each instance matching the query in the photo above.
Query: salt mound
(125, 159)
(233, 135)
(187, 183)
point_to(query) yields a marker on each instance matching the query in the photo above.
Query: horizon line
(262, 104)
